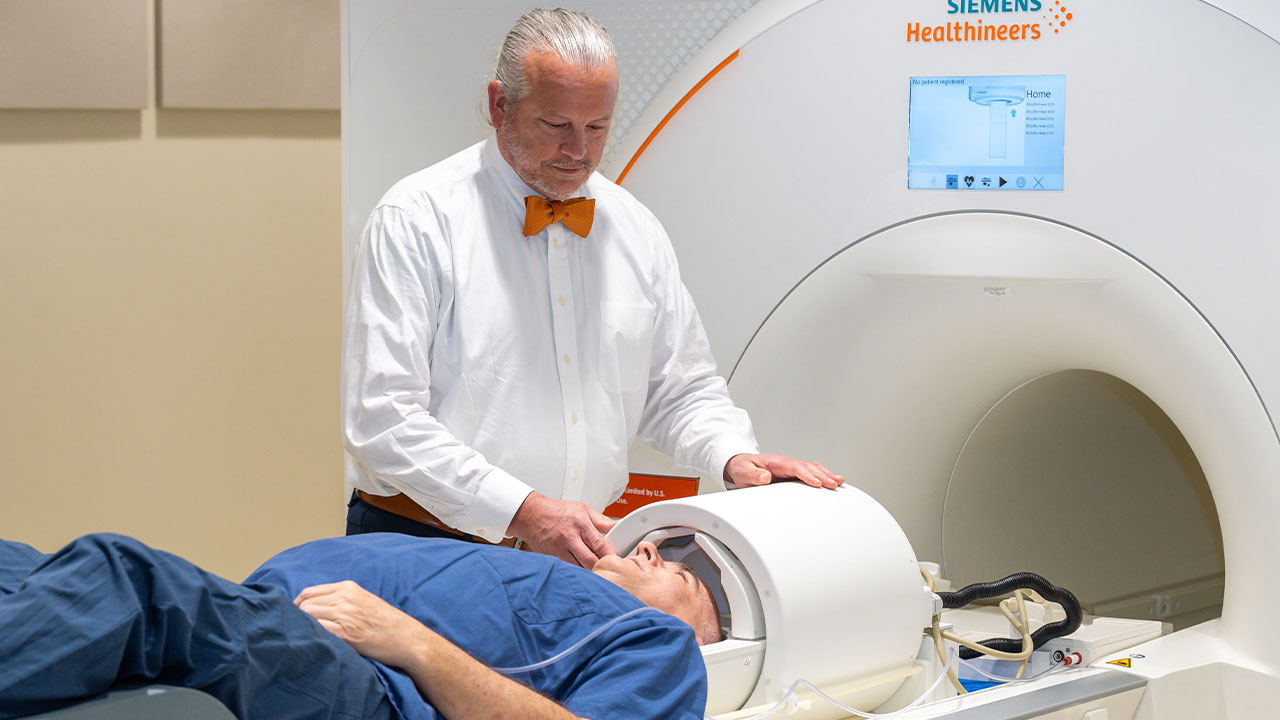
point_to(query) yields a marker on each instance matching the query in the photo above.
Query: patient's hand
(455, 683)
(365, 621)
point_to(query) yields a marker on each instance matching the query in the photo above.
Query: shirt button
(574, 476)
(573, 418)
(555, 242)
(562, 300)
(566, 359)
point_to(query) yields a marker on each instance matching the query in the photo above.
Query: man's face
(555, 134)
(668, 586)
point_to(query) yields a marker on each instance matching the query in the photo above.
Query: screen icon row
(956, 181)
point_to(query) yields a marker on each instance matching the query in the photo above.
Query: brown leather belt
(401, 504)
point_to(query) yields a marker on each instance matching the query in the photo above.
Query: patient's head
(668, 586)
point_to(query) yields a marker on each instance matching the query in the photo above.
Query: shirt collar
(510, 183)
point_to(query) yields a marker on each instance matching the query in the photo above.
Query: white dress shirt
(479, 364)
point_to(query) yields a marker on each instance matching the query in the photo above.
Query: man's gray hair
(575, 37)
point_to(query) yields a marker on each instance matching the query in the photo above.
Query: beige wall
(170, 315)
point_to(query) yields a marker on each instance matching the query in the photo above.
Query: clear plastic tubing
(574, 647)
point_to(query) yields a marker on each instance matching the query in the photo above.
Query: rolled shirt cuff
(496, 501)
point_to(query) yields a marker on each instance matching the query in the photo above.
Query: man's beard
(525, 165)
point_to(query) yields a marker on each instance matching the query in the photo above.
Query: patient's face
(668, 586)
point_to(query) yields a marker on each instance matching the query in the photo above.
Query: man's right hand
(572, 531)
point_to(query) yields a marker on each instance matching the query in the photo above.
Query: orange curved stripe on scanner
(643, 146)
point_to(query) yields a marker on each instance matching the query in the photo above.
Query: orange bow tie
(575, 213)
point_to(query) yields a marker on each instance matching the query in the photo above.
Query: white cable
(564, 653)
(791, 691)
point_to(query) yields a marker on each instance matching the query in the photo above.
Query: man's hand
(451, 680)
(571, 531)
(365, 621)
(746, 469)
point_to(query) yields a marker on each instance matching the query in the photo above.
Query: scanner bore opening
(1123, 513)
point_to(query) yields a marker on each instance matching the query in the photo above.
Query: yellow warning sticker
(1122, 662)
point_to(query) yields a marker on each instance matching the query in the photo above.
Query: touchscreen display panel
(986, 132)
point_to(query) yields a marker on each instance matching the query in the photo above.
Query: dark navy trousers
(107, 608)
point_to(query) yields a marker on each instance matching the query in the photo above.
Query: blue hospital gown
(107, 608)
(509, 609)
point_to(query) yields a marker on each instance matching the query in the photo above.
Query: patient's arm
(455, 683)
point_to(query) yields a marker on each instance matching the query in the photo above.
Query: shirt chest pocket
(626, 343)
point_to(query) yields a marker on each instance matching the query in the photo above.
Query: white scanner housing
(819, 584)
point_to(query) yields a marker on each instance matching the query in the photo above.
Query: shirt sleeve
(397, 284)
(688, 414)
(647, 671)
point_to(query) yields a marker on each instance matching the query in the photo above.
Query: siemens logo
(992, 6)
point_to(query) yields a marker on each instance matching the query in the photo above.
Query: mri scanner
(1011, 267)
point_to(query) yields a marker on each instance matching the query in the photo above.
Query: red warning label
(645, 489)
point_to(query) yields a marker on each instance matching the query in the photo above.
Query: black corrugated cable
(1004, 586)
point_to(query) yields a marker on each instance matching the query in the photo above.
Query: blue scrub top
(508, 609)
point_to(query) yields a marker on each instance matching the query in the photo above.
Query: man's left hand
(745, 470)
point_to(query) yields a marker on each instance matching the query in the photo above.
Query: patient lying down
(368, 626)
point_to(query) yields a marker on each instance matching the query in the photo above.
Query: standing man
(516, 321)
